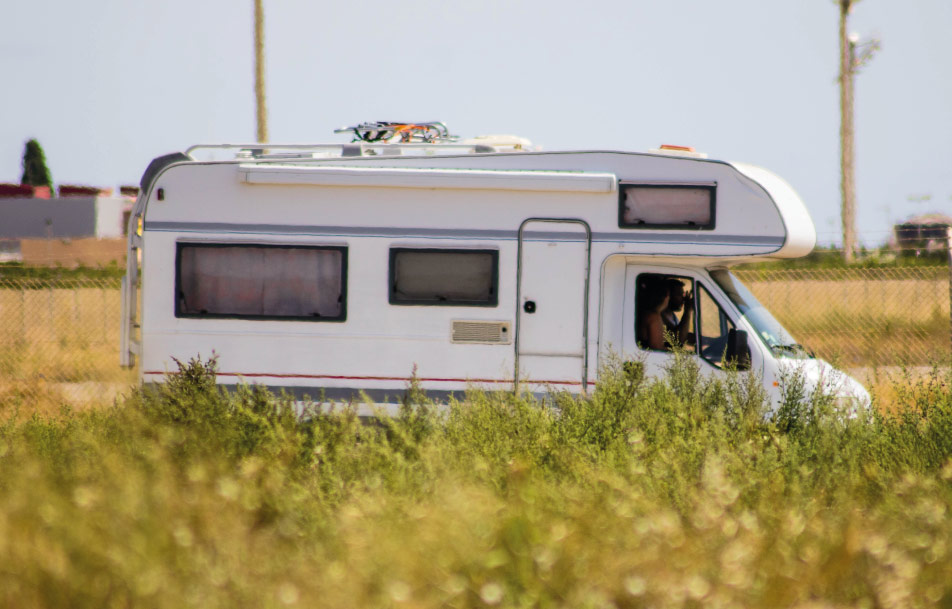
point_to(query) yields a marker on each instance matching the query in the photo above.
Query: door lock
(529, 306)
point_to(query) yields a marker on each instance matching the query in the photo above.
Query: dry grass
(892, 386)
(71, 253)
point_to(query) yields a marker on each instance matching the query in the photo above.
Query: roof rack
(375, 139)
(262, 152)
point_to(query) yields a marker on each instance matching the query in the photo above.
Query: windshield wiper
(794, 348)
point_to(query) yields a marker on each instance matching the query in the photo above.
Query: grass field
(651, 493)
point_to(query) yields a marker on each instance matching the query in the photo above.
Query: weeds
(662, 493)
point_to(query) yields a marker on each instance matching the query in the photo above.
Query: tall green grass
(677, 492)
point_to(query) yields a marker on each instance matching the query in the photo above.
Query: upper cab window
(664, 316)
(667, 206)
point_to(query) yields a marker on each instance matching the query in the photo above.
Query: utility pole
(848, 208)
(853, 56)
(261, 111)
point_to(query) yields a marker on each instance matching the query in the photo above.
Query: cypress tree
(35, 172)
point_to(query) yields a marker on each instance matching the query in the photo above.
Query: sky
(107, 85)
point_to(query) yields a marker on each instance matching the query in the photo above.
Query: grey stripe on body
(356, 396)
(312, 400)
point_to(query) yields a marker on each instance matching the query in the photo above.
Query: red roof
(23, 191)
(76, 190)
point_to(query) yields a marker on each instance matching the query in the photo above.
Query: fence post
(23, 311)
(49, 307)
(75, 292)
(105, 314)
(949, 247)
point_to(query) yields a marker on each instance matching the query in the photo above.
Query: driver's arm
(687, 321)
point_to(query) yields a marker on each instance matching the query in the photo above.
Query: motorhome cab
(338, 270)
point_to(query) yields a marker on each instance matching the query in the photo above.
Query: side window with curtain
(267, 282)
(714, 328)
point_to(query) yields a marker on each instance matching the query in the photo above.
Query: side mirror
(738, 351)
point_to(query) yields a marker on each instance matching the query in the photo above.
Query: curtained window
(443, 277)
(261, 281)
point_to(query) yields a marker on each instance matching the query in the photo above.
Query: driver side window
(665, 312)
(714, 328)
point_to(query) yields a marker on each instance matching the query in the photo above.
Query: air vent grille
(481, 332)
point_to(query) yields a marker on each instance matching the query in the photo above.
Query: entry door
(551, 322)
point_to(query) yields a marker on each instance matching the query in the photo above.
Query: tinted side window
(261, 282)
(444, 277)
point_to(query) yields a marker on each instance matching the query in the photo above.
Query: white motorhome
(345, 269)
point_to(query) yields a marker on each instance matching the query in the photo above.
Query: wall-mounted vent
(482, 332)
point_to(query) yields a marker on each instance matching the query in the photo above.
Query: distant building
(924, 234)
(82, 225)
(79, 211)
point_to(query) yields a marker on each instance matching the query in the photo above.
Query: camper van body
(547, 247)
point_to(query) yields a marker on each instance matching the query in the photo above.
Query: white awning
(544, 181)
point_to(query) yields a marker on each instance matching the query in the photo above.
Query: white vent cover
(481, 332)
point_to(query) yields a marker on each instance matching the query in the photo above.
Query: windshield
(774, 335)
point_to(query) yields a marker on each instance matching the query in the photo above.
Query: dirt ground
(71, 253)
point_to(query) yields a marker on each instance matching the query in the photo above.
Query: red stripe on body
(376, 378)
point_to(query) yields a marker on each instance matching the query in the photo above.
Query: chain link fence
(59, 338)
(59, 342)
(861, 317)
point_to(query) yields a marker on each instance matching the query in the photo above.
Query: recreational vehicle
(343, 270)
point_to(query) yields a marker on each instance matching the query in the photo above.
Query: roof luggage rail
(379, 138)
(262, 152)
